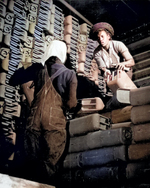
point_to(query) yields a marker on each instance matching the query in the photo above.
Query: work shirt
(116, 50)
(65, 84)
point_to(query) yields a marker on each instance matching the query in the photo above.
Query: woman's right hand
(107, 74)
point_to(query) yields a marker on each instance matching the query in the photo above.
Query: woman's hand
(107, 72)
(121, 66)
(107, 75)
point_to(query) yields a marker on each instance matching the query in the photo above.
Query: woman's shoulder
(117, 43)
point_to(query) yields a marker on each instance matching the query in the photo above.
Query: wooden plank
(5, 63)
(141, 132)
(140, 96)
(138, 170)
(1, 106)
(93, 175)
(119, 125)
(142, 64)
(134, 97)
(89, 123)
(99, 174)
(106, 114)
(95, 157)
(140, 114)
(141, 73)
(142, 81)
(98, 139)
(139, 44)
(123, 95)
(2, 91)
(139, 151)
(121, 115)
(2, 78)
(141, 56)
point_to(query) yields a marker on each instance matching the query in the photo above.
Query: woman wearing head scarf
(66, 82)
(45, 135)
(54, 94)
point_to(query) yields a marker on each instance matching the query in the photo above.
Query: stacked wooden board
(118, 152)
(141, 73)
(139, 150)
(141, 54)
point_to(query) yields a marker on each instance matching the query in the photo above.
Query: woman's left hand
(121, 66)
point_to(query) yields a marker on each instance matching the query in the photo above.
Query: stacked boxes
(71, 32)
(119, 152)
(58, 23)
(9, 95)
(141, 75)
(139, 151)
(82, 46)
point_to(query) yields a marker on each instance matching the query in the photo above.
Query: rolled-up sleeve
(122, 49)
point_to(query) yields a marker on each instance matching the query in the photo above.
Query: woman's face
(103, 38)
